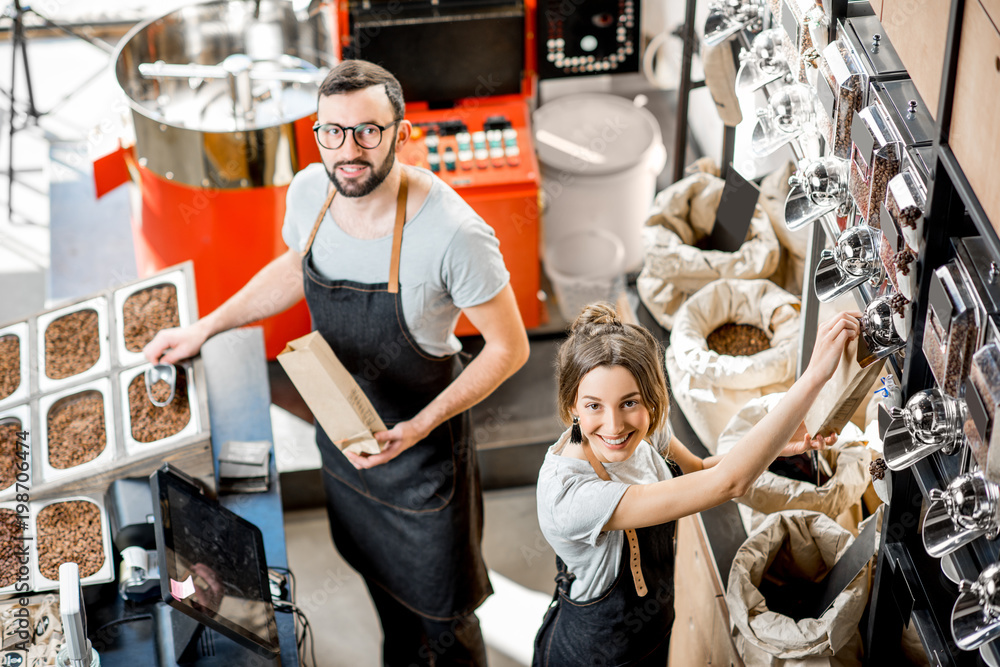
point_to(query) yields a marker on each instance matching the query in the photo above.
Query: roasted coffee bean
(72, 344)
(151, 423)
(898, 303)
(903, 260)
(9, 453)
(738, 340)
(905, 216)
(146, 312)
(76, 429)
(10, 365)
(877, 468)
(69, 532)
(10, 539)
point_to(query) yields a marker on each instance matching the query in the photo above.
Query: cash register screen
(212, 565)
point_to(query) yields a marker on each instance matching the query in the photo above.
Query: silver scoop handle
(157, 373)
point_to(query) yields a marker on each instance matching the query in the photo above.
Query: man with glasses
(387, 256)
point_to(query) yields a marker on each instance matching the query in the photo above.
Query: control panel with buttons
(485, 146)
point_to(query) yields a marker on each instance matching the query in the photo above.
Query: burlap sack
(709, 387)
(794, 545)
(848, 459)
(674, 268)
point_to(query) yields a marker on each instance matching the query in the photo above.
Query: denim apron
(413, 525)
(618, 627)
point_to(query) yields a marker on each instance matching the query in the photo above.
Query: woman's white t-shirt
(574, 504)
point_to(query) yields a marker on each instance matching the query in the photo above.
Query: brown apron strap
(633, 540)
(319, 219)
(397, 234)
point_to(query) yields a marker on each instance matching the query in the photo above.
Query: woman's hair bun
(597, 313)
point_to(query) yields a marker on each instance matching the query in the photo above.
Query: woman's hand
(802, 442)
(832, 337)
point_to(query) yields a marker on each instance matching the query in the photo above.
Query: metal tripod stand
(22, 113)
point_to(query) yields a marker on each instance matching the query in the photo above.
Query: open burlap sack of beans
(839, 495)
(681, 216)
(711, 385)
(771, 570)
(794, 245)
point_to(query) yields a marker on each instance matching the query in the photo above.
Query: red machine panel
(485, 153)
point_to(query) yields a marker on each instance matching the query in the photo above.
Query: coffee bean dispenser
(764, 62)
(878, 331)
(876, 153)
(790, 112)
(965, 510)
(853, 261)
(902, 218)
(951, 330)
(841, 92)
(975, 618)
(817, 189)
(930, 421)
(866, 43)
(982, 396)
(962, 296)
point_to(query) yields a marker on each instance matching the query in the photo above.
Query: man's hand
(394, 442)
(170, 346)
(802, 442)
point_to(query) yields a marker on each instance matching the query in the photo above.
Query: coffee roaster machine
(222, 96)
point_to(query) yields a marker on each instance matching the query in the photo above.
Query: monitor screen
(212, 564)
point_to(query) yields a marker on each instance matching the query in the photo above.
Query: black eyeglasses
(366, 135)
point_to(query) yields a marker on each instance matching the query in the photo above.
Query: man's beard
(355, 189)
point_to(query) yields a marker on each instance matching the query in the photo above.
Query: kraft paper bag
(840, 398)
(336, 400)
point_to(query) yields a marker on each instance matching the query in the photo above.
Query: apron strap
(397, 234)
(633, 540)
(319, 219)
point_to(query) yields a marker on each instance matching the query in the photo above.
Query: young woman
(607, 499)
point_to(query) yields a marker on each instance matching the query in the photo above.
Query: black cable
(306, 639)
(124, 619)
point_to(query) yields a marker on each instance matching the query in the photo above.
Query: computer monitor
(212, 566)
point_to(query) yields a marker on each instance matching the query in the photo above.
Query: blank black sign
(732, 220)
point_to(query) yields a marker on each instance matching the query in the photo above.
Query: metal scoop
(157, 373)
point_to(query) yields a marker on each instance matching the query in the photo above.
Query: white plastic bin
(599, 156)
(585, 267)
